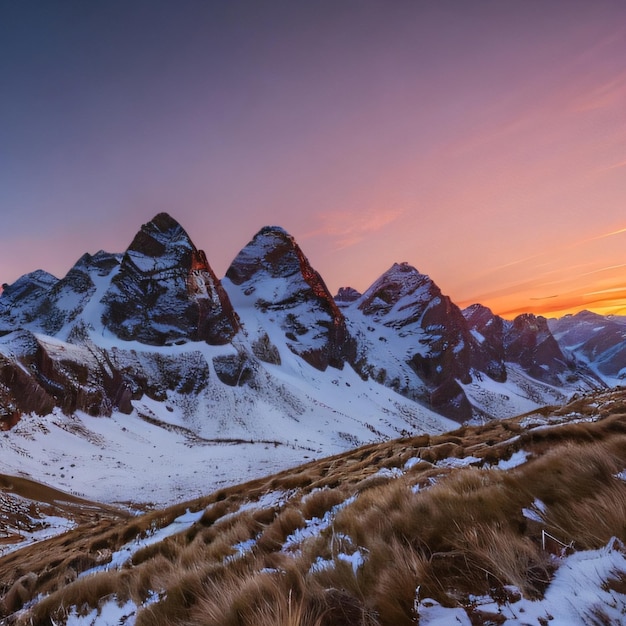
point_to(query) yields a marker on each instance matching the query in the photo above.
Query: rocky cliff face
(486, 341)
(165, 291)
(273, 284)
(40, 374)
(529, 342)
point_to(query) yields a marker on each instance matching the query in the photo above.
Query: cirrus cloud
(350, 227)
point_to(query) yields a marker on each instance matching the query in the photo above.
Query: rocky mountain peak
(346, 295)
(272, 252)
(401, 282)
(529, 342)
(165, 291)
(161, 236)
(274, 274)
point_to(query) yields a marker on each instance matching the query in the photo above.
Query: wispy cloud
(602, 96)
(608, 268)
(613, 233)
(614, 166)
(348, 228)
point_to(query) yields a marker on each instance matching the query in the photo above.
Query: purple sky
(483, 142)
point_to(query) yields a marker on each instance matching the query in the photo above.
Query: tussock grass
(80, 594)
(370, 560)
(319, 502)
(274, 535)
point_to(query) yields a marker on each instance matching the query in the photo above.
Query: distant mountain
(596, 340)
(267, 355)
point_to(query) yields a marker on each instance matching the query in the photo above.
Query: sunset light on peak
(482, 142)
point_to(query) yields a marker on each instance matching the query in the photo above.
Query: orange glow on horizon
(604, 302)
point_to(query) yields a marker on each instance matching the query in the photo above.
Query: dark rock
(346, 295)
(486, 341)
(234, 370)
(165, 292)
(529, 342)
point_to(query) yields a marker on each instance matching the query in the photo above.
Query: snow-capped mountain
(277, 292)
(596, 340)
(412, 338)
(152, 339)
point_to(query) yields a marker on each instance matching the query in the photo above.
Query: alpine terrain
(151, 413)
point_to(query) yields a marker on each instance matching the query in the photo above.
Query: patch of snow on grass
(536, 512)
(241, 549)
(579, 594)
(393, 472)
(108, 614)
(454, 463)
(414, 460)
(518, 457)
(355, 559)
(125, 553)
(314, 526)
(431, 613)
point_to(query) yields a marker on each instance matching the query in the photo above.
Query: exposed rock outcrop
(41, 375)
(529, 342)
(486, 341)
(165, 292)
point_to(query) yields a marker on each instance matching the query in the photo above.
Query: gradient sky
(483, 142)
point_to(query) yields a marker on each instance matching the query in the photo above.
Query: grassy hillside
(477, 526)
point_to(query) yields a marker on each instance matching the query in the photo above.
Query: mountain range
(137, 391)
(266, 356)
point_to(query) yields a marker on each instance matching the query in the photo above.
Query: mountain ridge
(162, 291)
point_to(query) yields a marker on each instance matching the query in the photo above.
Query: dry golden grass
(462, 533)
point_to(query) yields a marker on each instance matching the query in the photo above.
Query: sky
(483, 142)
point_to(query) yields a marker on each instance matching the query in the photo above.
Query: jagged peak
(272, 251)
(163, 222)
(400, 280)
(529, 319)
(40, 277)
(347, 295)
(274, 230)
(403, 272)
(477, 311)
(155, 236)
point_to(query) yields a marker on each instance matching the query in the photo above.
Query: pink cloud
(349, 227)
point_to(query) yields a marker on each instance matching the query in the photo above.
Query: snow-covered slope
(182, 364)
(150, 342)
(189, 433)
(277, 293)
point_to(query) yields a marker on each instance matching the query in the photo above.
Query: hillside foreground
(517, 521)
